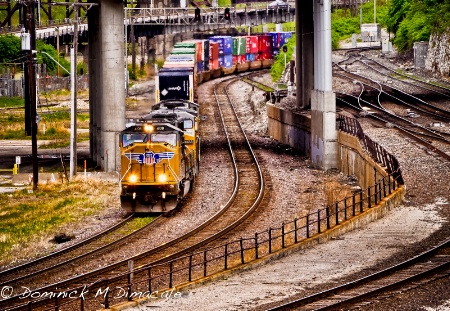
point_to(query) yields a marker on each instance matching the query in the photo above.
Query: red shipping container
(264, 55)
(251, 46)
(265, 44)
(213, 50)
(213, 64)
(239, 59)
(199, 51)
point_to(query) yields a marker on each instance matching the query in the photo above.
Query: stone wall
(438, 56)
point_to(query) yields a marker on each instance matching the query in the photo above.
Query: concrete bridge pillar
(107, 82)
(323, 100)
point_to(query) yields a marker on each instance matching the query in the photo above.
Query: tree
(10, 49)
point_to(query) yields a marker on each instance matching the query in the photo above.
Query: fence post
(337, 213)
(242, 250)
(130, 277)
(204, 263)
(149, 279)
(345, 208)
(81, 304)
(226, 256)
(361, 203)
(190, 268)
(384, 187)
(106, 299)
(170, 273)
(389, 183)
(307, 226)
(56, 304)
(353, 204)
(256, 245)
(318, 221)
(368, 198)
(29, 305)
(282, 235)
(270, 240)
(295, 230)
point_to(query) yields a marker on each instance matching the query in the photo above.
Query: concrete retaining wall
(293, 129)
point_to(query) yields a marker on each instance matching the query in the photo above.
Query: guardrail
(151, 281)
(14, 170)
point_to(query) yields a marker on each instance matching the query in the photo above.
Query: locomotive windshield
(131, 138)
(171, 139)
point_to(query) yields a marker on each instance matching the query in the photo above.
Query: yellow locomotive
(160, 155)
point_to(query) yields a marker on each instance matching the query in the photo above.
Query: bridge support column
(107, 85)
(323, 100)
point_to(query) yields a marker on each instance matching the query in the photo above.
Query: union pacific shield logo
(149, 158)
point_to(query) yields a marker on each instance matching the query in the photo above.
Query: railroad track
(247, 194)
(37, 269)
(426, 267)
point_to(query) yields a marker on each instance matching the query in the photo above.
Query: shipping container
(174, 83)
(185, 44)
(239, 59)
(284, 38)
(228, 61)
(213, 50)
(225, 44)
(265, 55)
(265, 44)
(251, 57)
(239, 45)
(251, 44)
(189, 51)
(275, 39)
(180, 60)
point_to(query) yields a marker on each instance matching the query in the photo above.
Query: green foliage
(278, 67)
(10, 49)
(49, 62)
(414, 20)
(344, 24)
(82, 68)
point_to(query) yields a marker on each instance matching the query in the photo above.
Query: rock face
(438, 56)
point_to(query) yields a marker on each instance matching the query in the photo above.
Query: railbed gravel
(422, 221)
(419, 223)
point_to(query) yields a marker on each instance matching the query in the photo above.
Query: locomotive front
(151, 167)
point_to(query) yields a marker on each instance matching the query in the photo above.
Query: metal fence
(153, 280)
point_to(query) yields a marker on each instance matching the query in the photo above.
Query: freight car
(160, 152)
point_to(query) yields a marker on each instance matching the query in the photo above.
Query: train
(160, 151)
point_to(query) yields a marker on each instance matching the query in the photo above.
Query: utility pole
(73, 81)
(133, 47)
(31, 28)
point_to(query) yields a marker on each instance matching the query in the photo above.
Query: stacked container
(213, 55)
(251, 48)
(239, 49)
(265, 47)
(279, 39)
(225, 50)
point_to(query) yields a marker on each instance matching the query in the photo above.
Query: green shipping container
(185, 45)
(239, 44)
(179, 51)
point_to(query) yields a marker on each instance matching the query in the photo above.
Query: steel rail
(82, 279)
(343, 300)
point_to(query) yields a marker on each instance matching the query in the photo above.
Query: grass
(28, 220)
(57, 127)
(11, 102)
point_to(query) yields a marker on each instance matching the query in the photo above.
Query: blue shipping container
(225, 44)
(228, 61)
(284, 37)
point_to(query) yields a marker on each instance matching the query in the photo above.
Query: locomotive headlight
(163, 195)
(133, 178)
(162, 178)
(148, 128)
